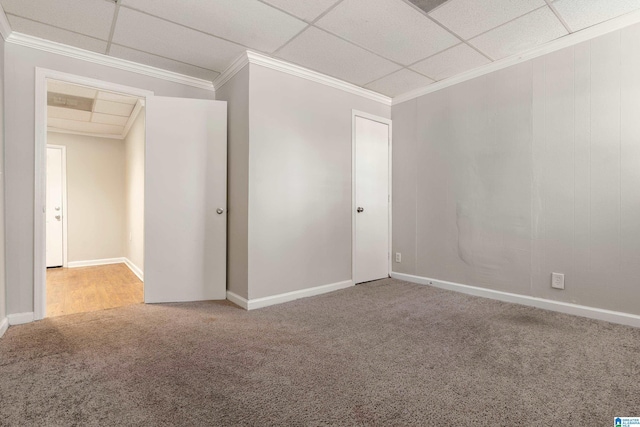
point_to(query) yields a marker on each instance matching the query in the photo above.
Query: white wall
(236, 93)
(533, 169)
(20, 63)
(95, 196)
(134, 193)
(299, 182)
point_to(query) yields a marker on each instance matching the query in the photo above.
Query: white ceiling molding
(231, 71)
(109, 61)
(5, 28)
(250, 57)
(552, 46)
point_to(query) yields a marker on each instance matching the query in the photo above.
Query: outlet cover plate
(557, 280)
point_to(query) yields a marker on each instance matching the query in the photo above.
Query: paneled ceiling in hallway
(389, 46)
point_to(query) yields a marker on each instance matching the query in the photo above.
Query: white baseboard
(562, 307)
(4, 325)
(135, 269)
(252, 304)
(20, 318)
(238, 300)
(92, 262)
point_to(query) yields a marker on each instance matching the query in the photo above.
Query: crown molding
(109, 61)
(552, 46)
(5, 28)
(250, 57)
(233, 69)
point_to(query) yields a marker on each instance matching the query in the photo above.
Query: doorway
(185, 193)
(371, 197)
(94, 198)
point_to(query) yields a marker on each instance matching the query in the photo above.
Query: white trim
(39, 248)
(64, 202)
(93, 262)
(552, 46)
(233, 69)
(238, 300)
(134, 268)
(132, 117)
(20, 318)
(389, 123)
(4, 325)
(5, 30)
(250, 57)
(109, 61)
(253, 304)
(562, 307)
(97, 135)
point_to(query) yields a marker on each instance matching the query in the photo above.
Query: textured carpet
(383, 353)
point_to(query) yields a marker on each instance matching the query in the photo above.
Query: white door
(371, 246)
(185, 200)
(54, 207)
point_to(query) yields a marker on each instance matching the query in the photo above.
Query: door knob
(57, 208)
(58, 217)
(360, 210)
(219, 211)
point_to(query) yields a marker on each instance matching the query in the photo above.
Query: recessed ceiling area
(388, 46)
(86, 111)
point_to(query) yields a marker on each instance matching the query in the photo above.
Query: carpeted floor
(383, 353)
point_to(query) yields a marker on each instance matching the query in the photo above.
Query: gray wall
(236, 93)
(501, 180)
(2, 182)
(299, 182)
(95, 196)
(20, 63)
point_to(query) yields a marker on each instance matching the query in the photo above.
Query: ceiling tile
(109, 119)
(159, 62)
(390, 28)
(247, 22)
(32, 28)
(89, 17)
(116, 108)
(116, 97)
(303, 9)
(86, 127)
(399, 82)
(581, 14)
(68, 113)
(70, 89)
(450, 62)
(330, 55)
(468, 18)
(520, 35)
(143, 32)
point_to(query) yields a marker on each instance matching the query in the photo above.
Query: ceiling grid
(389, 46)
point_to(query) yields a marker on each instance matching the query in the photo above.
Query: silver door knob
(360, 210)
(57, 208)
(219, 211)
(58, 217)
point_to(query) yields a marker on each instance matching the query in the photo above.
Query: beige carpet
(383, 353)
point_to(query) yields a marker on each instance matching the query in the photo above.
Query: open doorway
(95, 160)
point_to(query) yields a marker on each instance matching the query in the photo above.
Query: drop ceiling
(388, 46)
(87, 111)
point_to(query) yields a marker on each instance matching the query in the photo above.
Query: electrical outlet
(557, 280)
(398, 257)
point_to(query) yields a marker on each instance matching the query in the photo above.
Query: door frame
(39, 220)
(64, 202)
(388, 122)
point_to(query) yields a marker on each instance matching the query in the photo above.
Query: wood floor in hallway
(84, 289)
